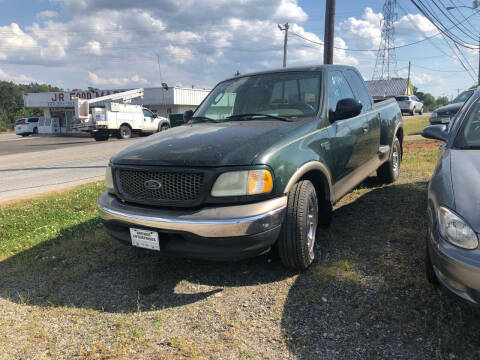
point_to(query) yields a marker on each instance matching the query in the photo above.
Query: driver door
(347, 134)
(149, 123)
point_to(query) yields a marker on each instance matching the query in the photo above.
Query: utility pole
(408, 78)
(329, 32)
(458, 91)
(285, 28)
(478, 82)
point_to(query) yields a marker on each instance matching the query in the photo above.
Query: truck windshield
(462, 97)
(276, 95)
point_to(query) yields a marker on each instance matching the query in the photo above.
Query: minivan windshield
(271, 96)
(462, 97)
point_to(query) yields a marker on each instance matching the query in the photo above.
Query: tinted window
(401, 98)
(338, 89)
(469, 134)
(33, 120)
(147, 113)
(361, 92)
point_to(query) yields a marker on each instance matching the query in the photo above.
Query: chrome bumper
(218, 221)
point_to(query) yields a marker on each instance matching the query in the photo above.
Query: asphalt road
(34, 165)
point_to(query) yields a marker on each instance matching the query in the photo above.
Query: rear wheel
(125, 132)
(390, 171)
(296, 243)
(100, 136)
(35, 131)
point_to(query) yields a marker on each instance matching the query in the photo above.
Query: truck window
(147, 113)
(338, 89)
(361, 92)
(33, 120)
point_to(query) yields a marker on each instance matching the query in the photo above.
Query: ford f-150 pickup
(257, 166)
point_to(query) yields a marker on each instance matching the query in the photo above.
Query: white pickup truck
(117, 119)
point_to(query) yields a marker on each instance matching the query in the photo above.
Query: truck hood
(450, 108)
(206, 144)
(465, 172)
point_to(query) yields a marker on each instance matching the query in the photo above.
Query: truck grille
(183, 187)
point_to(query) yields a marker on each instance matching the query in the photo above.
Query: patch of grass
(25, 224)
(415, 125)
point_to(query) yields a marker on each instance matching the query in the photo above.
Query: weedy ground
(413, 125)
(68, 291)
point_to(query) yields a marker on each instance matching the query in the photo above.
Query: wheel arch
(320, 177)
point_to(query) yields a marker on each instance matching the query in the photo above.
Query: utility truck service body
(118, 119)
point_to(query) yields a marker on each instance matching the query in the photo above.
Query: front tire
(125, 132)
(421, 111)
(390, 171)
(100, 136)
(163, 127)
(296, 244)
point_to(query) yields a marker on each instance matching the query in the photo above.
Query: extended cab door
(347, 134)
(369, 140)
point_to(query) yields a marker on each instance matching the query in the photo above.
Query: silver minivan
(410, 104)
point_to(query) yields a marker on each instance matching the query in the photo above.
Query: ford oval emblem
(152, 184)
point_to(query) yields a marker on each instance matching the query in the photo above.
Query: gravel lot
(82, 295)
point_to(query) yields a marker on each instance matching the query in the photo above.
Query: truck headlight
(246, 182)
(455, 230)
(109, 179)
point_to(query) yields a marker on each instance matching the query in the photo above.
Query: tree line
(430, 103)
(11, 102)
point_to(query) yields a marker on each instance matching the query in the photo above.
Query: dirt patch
(421, 145)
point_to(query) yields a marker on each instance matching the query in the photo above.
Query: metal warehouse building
(58, 107)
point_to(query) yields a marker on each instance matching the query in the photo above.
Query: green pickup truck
(257, 166)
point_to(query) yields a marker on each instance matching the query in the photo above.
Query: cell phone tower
(386, 64)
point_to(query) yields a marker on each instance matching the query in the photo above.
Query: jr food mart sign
(62, 99)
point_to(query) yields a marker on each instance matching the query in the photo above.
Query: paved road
(30, 166)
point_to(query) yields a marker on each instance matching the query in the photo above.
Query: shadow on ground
(83, 267)
(367, 297)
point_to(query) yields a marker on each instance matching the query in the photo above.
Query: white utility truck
(102, 116)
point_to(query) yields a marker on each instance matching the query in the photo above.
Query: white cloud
(93, 47)
(135, 79)
(22, 79)
(47, 14)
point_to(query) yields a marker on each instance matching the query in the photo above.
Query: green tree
(11, 101)
(441, 101)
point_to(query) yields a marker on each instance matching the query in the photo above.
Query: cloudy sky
(119, 43)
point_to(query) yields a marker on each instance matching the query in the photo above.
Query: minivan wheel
(296, 244)
(421, 111)
(125, 132)
(390, 171)
(35, 131)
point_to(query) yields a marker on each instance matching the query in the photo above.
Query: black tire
(296, 244)
(23, 135)
(390, 171)
(412, 112)
(421, 111)
(163, 127)
(125, 132)
(100, 136)
(35, 131)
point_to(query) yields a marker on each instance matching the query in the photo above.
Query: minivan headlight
(109, 179)
(245, 182)
(455, 230)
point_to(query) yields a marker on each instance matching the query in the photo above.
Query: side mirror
(187, 116)
(347, 108)
(155, 116)
(436, 132)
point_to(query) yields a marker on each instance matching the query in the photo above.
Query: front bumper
(456, 269)
(216, 232)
